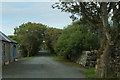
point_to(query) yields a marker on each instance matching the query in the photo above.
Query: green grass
(58, 58)
(112, 75)
(90, 73)
(27, 57)
(65, 61)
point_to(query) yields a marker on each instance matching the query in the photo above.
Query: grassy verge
(90, 73)
(58, 58)
(26, 57)
(65, 61)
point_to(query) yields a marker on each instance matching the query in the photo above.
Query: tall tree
(51, 37)
(30, 37)
(104, 17)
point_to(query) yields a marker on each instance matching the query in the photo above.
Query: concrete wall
(5, 55)
(11, 53)
(8, 56)
(7, 48)
(0, 59)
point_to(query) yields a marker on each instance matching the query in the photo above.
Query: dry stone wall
(88, 58)
(115, 61)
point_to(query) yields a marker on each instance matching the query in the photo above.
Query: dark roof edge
(7, 39)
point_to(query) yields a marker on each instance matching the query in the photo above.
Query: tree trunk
(29, 49)
(103, 67)
(28, 53)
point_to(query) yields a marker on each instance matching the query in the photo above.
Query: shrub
(76, 38)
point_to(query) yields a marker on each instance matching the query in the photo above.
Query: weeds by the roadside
(90, 73)
(26, 57)
(65, 61)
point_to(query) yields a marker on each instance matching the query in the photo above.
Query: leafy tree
(76, 38)
(104, 17)
(30, 37)
(51, 37)
(12, 37)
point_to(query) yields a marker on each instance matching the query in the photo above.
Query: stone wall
(82, 59)
(88, 58)
(115, 61)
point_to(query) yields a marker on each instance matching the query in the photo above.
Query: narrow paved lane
(41, 67)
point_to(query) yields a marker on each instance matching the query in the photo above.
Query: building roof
(3, 37)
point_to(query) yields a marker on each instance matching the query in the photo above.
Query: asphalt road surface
(41, 67)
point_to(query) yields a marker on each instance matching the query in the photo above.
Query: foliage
(76, 38)
(85, 10)
(90, 73)
(30, 37)
(104, 17)
(118, 43)
(66, 61)
(51, 37)
(58, 58)
(95, 15)
(12, 37)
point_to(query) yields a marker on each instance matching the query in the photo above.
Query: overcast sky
(17, 13)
